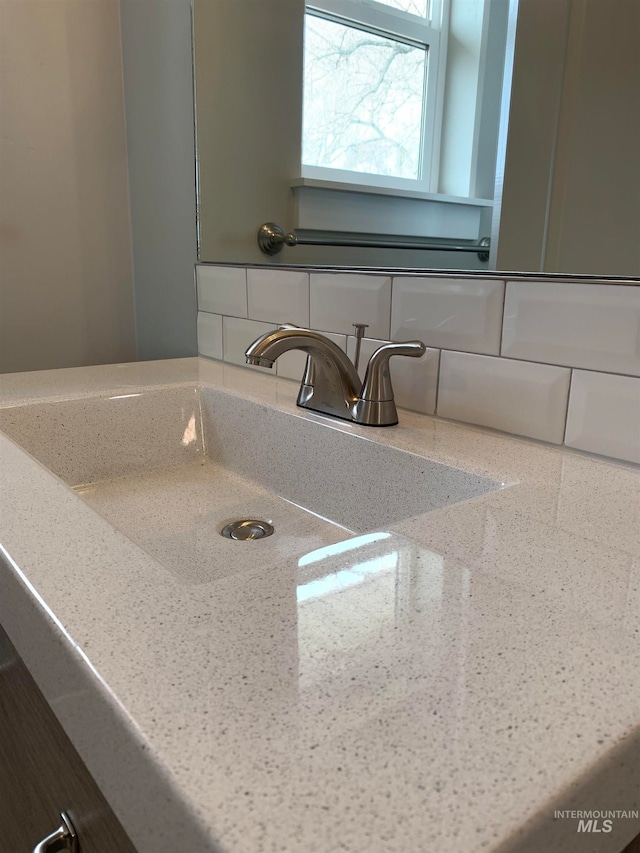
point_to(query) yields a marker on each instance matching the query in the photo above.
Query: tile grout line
(437, 400)
(566, 414)
(504, 308)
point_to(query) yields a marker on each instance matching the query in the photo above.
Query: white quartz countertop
(453, 707)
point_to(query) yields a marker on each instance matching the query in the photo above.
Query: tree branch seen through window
(363, 99)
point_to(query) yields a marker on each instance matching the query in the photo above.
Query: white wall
(65, 256)
(571, 201)
(158, 86)
(248, 56)
(594, 212)
(524, 184)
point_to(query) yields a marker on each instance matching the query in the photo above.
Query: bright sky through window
(363, 99)
(414, 7)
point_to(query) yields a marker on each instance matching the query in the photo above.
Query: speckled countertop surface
(485, 675)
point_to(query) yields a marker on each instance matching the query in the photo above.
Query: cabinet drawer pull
(64, 838)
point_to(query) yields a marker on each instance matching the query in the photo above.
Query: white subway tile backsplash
(291, 364)
(514, 396)
(340, 299)
(222, 290)
(541, 330)
(456, 314)
(238, 334)
(604, 415)
(278, 296)
(595, 326)
(414, 380)
(210, 335)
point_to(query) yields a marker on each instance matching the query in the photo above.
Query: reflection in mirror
(363, 105)
(407, 121)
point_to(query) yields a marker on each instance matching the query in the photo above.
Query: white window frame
(430, 33)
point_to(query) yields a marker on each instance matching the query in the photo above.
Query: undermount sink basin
(171, 467)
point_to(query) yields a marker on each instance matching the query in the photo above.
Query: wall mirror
(400, 123)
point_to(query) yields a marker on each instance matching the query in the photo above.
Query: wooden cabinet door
(41, 774)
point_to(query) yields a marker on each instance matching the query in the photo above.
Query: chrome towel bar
(272, 239)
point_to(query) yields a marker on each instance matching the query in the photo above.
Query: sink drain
(247, 528)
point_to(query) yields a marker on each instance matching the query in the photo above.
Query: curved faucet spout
(272, 345)
(331, 384)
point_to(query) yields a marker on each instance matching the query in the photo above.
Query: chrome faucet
(330, 383)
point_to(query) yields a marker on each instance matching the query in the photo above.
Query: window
(371, 100)
(401, 115)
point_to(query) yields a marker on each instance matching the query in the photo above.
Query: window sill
(367, 189)
(336, 206)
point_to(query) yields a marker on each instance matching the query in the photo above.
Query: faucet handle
(376, 404)
(377, 380)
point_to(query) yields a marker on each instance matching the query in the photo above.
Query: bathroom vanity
(438, 647)
(39, 769)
